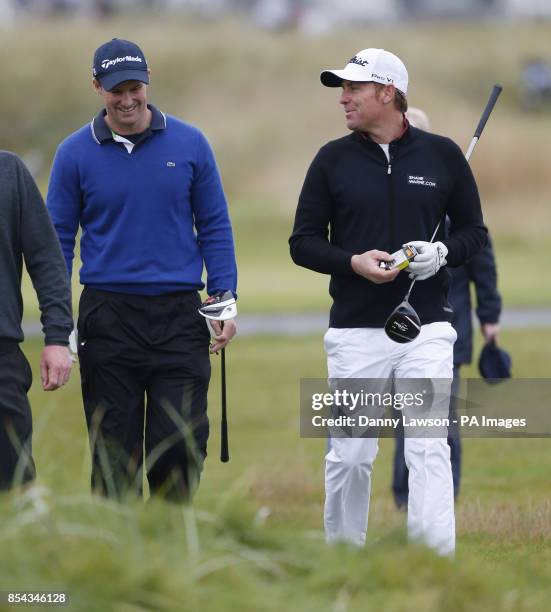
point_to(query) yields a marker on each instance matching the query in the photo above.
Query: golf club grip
(224, 450)
(488, 110)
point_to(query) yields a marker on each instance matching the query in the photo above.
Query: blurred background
(247, 73)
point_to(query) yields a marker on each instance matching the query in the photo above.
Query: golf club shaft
(224, 447)
(494, 95)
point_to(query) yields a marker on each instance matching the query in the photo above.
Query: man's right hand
(367, 265)
(222, 333)
(55, 367)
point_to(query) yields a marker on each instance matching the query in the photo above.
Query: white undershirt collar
(384, 147)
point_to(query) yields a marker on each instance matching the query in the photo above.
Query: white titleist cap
(375, 65)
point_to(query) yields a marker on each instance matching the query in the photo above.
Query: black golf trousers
(145, 371)
(16, 462)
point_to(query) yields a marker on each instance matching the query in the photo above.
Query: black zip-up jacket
(354, 200)
(481, 272)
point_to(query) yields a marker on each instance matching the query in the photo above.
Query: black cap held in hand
(117, 61)
(494, 363)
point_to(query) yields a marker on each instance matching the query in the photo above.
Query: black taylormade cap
(117, 61)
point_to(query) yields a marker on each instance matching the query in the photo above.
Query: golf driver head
(219, 307)
(403, 325)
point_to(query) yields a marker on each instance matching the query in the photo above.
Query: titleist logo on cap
(359, 61)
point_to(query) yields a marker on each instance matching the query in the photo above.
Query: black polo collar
(101, 132)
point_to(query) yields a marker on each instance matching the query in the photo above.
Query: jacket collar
(403, 138)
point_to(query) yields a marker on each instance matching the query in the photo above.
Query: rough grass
(258, 98)
(254, 540)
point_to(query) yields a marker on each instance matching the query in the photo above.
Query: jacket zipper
(391, 199)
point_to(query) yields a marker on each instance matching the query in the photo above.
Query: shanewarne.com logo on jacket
(422, 180)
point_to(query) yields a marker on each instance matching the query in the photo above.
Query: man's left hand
(222, 335)
(490, 331)
(55, 367)
(431, 257)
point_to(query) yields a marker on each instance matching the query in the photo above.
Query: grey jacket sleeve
(44, 261)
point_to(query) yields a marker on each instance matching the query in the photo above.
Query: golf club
(403, 325)
(221, 307)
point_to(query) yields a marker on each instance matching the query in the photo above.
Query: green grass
(254, 540)
(257, 97)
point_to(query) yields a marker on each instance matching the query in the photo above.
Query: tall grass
(253, 539)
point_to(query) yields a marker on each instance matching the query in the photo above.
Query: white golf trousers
(369, 353)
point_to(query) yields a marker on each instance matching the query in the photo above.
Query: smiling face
(364, 105)
(126, 106)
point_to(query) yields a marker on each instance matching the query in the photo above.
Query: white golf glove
(73, 348)
(431, 257)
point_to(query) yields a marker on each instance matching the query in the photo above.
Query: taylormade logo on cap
(127, 58)
(370, 65)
